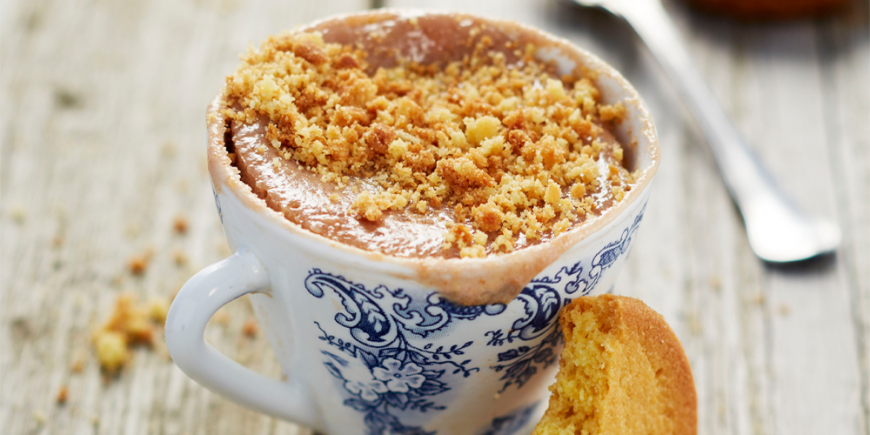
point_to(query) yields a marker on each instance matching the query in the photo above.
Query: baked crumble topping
(512, 150)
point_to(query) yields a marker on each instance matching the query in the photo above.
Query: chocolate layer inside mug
(427, 45)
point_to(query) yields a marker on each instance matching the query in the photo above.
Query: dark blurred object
(755, 10)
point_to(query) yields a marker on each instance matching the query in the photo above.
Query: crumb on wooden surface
(111, 348)
(78, 365)
(138, 264)
(158, 309)
(759, 298)
(715, 282)
(18, 213)
(180, 224)
(250, 328)
(168, 149)
(128, 324)
(179, 257)
(62, 395)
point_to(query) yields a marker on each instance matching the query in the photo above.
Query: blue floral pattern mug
(370, 344)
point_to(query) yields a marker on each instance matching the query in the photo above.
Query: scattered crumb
(179, 257)
(250, 328)
(182, 186)
(62, 394)
(128, 324)
(614, 113)
(715, 282)
(18, 214)
(758, 299)
(168, 149)
(137, 264)
(40, 418)
(784, 310)
(78, 365)
(111, 350)
(57, 241)
(158, 309)
(180, 224)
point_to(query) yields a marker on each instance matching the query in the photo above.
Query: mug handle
(196, 302)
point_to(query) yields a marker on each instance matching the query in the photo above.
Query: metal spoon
(778, 230)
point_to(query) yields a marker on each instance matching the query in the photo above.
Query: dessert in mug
(417, 158)
(356, 161)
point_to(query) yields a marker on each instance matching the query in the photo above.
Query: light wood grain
(102, 147)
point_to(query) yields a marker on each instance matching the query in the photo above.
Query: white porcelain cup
(373, 344)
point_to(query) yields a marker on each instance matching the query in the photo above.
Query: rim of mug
(225, 174)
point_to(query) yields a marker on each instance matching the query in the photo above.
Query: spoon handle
(769, 215)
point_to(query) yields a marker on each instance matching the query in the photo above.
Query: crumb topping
(513, 151)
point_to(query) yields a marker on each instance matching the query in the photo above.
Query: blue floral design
(510, 423)
(399, 377)
(542, 305)
(392, 369)
(543, 301)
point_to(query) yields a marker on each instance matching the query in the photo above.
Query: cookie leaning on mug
(622, 371)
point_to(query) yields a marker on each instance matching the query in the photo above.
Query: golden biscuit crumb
(77, 366)
(221, 317)
(18, 214)
(179, 257)
(111, 347)
(62, 395)
(158, 309)
(614, 113)
(138, 264)
(180, 224)
(250, 328)
(475, 251)
(128, 324)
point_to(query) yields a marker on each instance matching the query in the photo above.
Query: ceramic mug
(374, 344)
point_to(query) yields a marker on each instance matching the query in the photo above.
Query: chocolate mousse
(460, 143)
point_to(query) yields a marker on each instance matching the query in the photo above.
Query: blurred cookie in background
(754, 10)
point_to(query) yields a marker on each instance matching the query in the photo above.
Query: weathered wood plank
(845, 73)
(812, 349)
(103, 139)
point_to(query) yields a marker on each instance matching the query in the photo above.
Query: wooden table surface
(103, 147)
